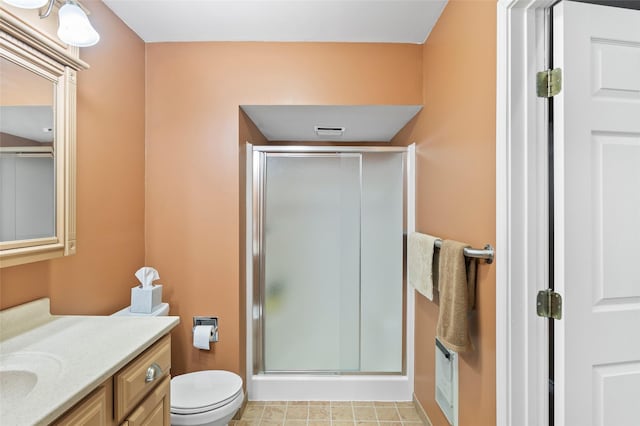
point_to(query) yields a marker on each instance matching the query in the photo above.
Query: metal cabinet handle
(153, 372)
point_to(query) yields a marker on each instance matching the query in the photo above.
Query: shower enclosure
(327, 299)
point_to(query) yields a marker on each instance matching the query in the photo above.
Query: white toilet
(203, 398)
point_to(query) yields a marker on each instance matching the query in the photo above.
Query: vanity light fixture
(27, 4)
(74, 27)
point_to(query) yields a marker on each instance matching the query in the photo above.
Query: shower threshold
(330, 387)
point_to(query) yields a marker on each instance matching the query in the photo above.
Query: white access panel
(447, 382)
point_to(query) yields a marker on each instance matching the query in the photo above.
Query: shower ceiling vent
(329, 131)
(331, 123)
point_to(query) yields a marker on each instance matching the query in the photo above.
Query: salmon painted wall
(455, 137)
(193, 183)
(110, 184)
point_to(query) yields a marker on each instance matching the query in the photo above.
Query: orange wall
(110, 184)
(193, 215)
(455, 136)
(19, 86)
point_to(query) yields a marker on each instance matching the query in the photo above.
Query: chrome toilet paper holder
(207, 321)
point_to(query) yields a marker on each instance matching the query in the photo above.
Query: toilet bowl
(205, 398)
(202, 398)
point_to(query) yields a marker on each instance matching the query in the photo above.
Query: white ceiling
(362, 123)
(34, 122)
(374, 21)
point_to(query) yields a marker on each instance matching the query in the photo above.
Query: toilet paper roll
(201, 336)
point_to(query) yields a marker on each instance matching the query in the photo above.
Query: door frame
(521, 215)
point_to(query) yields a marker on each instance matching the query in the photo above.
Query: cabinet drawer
(137, 379)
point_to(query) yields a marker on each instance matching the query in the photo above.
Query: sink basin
(16, 384)
(22, 372)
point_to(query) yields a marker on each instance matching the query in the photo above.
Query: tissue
(147, 275)
(146, 297)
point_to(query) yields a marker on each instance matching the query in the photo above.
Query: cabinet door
(154, 410)
(90, 412)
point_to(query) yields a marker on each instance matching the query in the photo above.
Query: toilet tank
(161, 311)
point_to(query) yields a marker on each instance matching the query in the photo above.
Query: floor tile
(341, 414)
(387, 414)
(273, 413)
(329, 413)
(408, 414)
(362, 403)
(365, 413)
(252, 412)
(319, 413)
(246, 422)
(298, 403)
(271, 423)
(295, 412)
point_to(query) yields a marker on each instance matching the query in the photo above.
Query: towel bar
(486, 253)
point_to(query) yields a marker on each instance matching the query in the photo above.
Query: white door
(597, 215)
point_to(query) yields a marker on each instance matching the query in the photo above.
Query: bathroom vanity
(83, 370)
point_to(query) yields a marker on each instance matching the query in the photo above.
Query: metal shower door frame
(260, 154)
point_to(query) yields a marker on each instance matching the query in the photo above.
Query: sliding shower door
(331, 262)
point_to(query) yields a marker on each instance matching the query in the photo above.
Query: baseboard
(423, 414)
(238, 415)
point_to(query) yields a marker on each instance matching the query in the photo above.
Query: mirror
(37, 144)
(27, 154)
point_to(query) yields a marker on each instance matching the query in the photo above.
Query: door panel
(597, 214)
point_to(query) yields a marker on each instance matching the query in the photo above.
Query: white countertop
(85, 351)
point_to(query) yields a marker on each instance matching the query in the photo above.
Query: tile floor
(325, 413)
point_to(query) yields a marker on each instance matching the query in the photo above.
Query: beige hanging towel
(457, 289)
(420, 263)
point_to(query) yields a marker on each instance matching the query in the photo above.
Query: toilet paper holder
(207, 321)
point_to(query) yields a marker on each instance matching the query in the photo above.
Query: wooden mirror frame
(35, 51)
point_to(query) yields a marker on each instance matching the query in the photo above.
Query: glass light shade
(74, 26)
(27, 4)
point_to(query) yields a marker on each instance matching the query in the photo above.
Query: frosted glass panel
(381, 257)
(35, 197)
(311, 243)
(27, 197)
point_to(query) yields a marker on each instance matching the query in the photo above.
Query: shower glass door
(331, 262)
(311, 266)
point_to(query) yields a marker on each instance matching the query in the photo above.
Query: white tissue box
(145, 299)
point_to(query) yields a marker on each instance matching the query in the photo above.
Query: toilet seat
(204, 391)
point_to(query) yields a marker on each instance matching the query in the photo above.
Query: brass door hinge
(549, 304)
(549, 83)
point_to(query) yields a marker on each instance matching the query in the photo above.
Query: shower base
(305, 387)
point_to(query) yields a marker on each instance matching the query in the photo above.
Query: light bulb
(74, 26)
(27, 4)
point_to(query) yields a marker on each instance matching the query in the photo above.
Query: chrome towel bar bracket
(487, 253)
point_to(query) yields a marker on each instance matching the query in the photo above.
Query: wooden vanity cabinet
(136, 395)
(91, 411)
